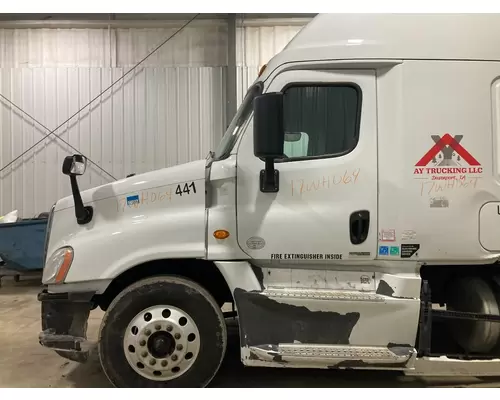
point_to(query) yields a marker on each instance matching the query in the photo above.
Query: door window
(321, 120)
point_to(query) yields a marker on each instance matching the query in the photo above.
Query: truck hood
(152, 216)
(191, 171)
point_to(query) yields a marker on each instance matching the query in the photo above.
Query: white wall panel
(257, 45)
(202, 44)
(261, 43)
(171, 110)
(245, 77)
(196, 46)
(55, 48)
(156, 118)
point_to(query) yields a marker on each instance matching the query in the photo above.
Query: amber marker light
(221, 234)
(262, 69)
(63, 271)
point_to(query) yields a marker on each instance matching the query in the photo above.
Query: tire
(476, 295)
(129, 308)
(495, 284)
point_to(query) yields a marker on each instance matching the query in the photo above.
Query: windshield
(241, 117)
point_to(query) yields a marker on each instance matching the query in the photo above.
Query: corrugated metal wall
(170, 110)
(256, 45)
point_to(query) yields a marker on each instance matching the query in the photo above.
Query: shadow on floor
(26, 285)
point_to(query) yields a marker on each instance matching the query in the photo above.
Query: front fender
(121, 236)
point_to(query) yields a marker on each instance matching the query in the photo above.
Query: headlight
(57, 266)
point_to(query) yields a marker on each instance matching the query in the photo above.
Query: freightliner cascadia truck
(351, 214)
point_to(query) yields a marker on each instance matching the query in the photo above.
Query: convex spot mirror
(74, 165)
(292, 137)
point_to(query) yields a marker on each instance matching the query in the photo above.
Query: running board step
(322, 294)
(447, 367)
(338, 356)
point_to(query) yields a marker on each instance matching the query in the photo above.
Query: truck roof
(395, 36)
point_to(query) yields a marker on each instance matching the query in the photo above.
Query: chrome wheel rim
(161, 343)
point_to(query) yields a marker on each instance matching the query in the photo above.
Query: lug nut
(144, 354)
(169, 328)
(177, 336)
(152, 362)
(164, 363)
(147, 332)
(157, 327)
(174, 358)
(142, 343)
(179, 347)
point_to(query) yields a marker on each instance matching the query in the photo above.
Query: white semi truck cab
(351, 213)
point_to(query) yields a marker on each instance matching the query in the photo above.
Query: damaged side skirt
(280, 334)
(265, 321)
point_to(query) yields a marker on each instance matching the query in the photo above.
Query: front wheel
(162, 331)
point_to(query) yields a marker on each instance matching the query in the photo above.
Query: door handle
(359, 225)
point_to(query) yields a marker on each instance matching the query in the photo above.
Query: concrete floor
(24, 363)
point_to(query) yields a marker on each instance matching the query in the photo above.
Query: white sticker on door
(388, 235)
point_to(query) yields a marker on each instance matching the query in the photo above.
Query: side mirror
(74, 165)
(268, 137)
(268, 131)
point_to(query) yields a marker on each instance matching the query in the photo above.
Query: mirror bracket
(85, 219)
(83, 213)
(269, 178)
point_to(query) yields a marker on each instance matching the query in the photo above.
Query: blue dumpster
(22, 245)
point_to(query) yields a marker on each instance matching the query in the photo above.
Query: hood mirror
(74, 165)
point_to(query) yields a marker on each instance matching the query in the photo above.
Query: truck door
(326, 206)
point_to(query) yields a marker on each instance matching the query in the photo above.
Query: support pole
(231, 80)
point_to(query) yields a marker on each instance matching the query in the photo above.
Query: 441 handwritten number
(186, 189)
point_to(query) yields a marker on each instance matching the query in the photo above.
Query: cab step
(447, 367)
(336, 356)
(322, 294)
